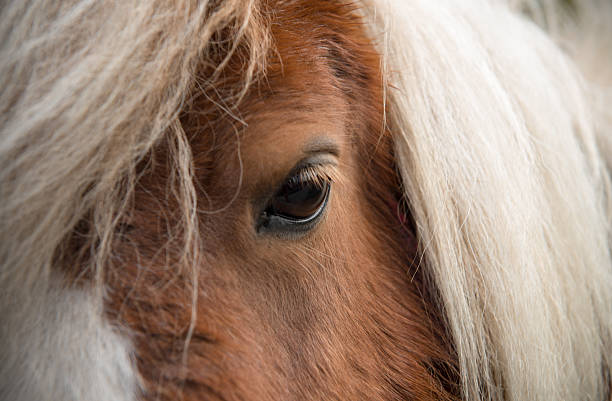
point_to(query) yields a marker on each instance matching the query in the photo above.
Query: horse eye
(298, 200)
(296, 207)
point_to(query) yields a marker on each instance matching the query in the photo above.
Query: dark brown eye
(299, 200)
(296, 207)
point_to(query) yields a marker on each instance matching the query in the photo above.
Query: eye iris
(299, 200)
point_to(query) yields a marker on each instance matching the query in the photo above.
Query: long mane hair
(500, 140)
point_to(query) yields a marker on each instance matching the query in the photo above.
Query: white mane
(496, 141)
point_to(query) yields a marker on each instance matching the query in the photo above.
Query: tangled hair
(89, 89)
(500, 143)
(500, 165)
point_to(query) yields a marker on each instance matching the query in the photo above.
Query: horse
(305, 199)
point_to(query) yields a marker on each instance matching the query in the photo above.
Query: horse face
(303, 288)
(200, 200)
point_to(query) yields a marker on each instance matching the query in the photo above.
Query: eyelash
(315, 174)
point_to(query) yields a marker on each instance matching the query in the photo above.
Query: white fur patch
(55, 345)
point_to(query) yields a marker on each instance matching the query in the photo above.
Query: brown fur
(342, 313)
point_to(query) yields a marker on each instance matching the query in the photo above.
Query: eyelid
(323, 145)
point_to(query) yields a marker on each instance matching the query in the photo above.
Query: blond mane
(496, 143)
(89, 89)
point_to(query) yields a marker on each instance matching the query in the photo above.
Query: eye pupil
(298, 200)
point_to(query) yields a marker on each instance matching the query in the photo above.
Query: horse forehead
(299, 102)
(283, 128)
